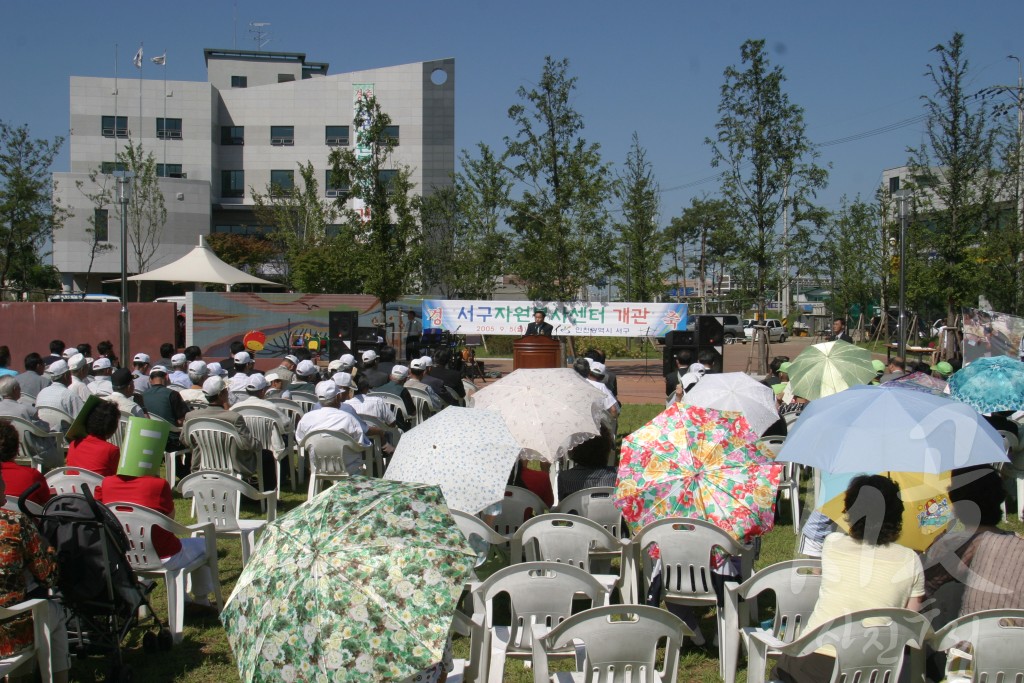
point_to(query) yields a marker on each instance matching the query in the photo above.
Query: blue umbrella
(881, 429)
(990, 385)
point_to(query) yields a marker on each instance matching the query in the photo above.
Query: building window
(391, 134)
(109, 167)
(281, 182)
(894, 185)
(285, 78)
(114, 126)
(169, 171)
(334, 188)
(232, 135)
(168, 129)
(337, 136)
(332, 230)
(282, 135)
(253, 230)
(232, 183)
(99, 224)
(239, 82)
(386, 177)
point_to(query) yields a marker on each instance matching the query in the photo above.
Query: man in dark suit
(839, 332)
(683, 359)
(538, 326)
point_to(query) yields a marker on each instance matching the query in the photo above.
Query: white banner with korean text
(611, 319)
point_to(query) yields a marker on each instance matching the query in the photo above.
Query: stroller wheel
(164, 640)
(149, 642)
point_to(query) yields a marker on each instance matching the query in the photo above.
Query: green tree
(146, 211)
(849, 254)
(643, 245)
(385, 223)
(28, 211)
(245, 252)
(955, 186)
(308, 234)
(708, 227)
(559, 218)
(768, 161)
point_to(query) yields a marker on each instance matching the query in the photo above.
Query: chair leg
(176, 604)
(247, 538)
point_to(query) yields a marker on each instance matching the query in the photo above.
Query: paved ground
(640, 383)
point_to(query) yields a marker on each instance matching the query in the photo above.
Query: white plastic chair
(138, 522)
(265, 426)
(172, 458)
(29, 453)
(55, 416)
(11, 503)
(217, 497)
(421, 402)
(293, 411)
(795, 585)
(396, 404)
(469, 387)
(1014, 469)
(518, 505)
(40, 650)
(539, 593)
(305, 399)
(596, 504)
(122, 429)
(619, 645)
(789, 485)
(567, 539)
(217, 444)
(378, 465)
(477, 534)
(869, 645)
(70, 479)
(331, 455)
(997, 642)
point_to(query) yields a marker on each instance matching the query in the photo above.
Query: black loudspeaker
(704, 342)
(366, 339)
(341, 325)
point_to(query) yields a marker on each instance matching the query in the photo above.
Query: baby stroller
(97, 586)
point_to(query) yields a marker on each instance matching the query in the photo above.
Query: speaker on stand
(342, 327)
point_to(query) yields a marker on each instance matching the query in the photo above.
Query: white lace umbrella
(548, 411)
(739, 392)
(469, 453)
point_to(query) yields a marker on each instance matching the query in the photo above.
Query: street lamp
(901, 197)
(123, 188)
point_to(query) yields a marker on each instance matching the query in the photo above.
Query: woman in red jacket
(94, 452)
(19, 478)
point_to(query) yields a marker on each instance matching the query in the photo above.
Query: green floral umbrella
(358, 584)
(828, 368)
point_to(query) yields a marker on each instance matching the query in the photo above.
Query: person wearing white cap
(596, 380)
(48, 453)
(244, 363)
(347, 362)
(698, 369)
(198, 371)
(164, 402)
(101, 369)
(277, 386)
(286, 370)
(256, 390)
(124, 393)
(59, 395)
(688, 381)
(178, 375)
(236, 388)
(396, 387)
(247, 457)
(418, 369)
(372, 371)
(333, 367)
(364, 404)
(79, 366)
(307, 376)
(141, 364)
(215, 369)
(331, 417)
(435, 383)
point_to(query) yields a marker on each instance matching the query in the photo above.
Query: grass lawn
(204, 654)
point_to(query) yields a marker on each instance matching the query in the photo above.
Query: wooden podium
(536, 351)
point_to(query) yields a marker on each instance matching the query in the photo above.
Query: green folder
(142, 451)
(76, 430)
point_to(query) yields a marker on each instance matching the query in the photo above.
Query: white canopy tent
(202, 265)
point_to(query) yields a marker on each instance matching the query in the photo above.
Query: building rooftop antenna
(259, 32)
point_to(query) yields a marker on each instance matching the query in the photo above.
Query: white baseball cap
(216, 370)
(369, 356)
(400, 371)
(326, 391)
(343, 380)
(257, 382)
(697, 368)
(292, 359)
(242, 358)
(158, 370)
(597, 368)
(273, 377)
(69, 352)
(428, 362)
(305, 368)
(101, 363)
(57, 368)
(213, 386)
(141, 358)
(199, 367)
(347, 360)
(334, 365)
(238, 382)
(178, 359)
(77, 362)
(417, 364)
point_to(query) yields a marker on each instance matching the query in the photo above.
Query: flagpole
(115, 107)
(139, 65)
(164, 65)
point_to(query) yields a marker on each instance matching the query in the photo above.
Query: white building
(256, 118)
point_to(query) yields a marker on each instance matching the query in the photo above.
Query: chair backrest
(217, 497)
(26, 446)
(138, 522)
(55, 416)
(122, 429)
(539, 593)
(1010, 441)
(469, 387)
(394, 403)
(261, 425)
(795, 585)
(685, 546)
(869, 644)
(596, 504)
(621, 643)
(11, 503)
(333, 452)
(305, 399)
(215, 442)
(997, 639)
(567, 539)
(479, 536)
(518, 505)
(790, 419)
(70, 479)
(288, 407)
(774, 443)
(421, 401)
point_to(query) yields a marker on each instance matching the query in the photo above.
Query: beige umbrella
(548, 411)
(201, 265)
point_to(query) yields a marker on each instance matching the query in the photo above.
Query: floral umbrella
(358, 584)
(701, 463)
(990, 385)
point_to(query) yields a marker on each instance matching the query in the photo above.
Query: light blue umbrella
(990, 385)
(880, 429)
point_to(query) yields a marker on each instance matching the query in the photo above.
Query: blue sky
(651, 67)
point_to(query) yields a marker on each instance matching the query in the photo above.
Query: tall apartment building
(255, 119)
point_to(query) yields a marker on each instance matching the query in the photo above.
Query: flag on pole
(138, 59)
(160, 60)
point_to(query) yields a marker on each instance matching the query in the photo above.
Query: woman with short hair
(19, 478)
(94, 452)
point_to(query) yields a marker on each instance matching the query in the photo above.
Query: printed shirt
(21, 549)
